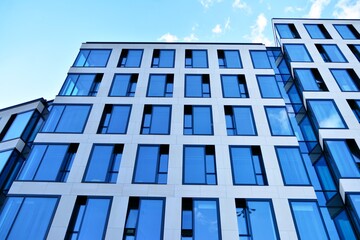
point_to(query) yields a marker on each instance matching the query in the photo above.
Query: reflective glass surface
(268, 87)
(18, 126)
(202, 120)
(92, 58)
(315, 31)
(326, 114)
(124, 85)
(307, 79)
(297, 53)
(150, 221)
(347, 31)
(206, 220)
(346, 82)
(260, 59)
(279, 121)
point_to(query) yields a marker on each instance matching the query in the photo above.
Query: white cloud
(239, 4)
(257, 31)
(208, 3)
(291, 9)
(227, 24)
(217, 29)
(190, 38)
(167, 37)
(316, 8)
(347, 9)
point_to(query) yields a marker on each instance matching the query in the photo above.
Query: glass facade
(124, 85)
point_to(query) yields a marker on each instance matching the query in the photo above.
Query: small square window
(198, 120)
(355, 107)
(197, 86)
(163, 58)
(156, 119)
(130, 58)
(239, 121)
(196, 59)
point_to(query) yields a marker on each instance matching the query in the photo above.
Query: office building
(199, 141)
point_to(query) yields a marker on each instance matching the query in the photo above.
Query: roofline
(174, 43)
(42, 100)
(326, 19)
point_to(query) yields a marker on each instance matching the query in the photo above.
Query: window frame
(353, 76)
(255, 65)
(157, 52)
(133, 79)
(169, 83)
(287, 116)
(241, 84)
(286, 52)
(351, 29)
(93, 90)
(205, 80)
(258, 77)
(106, 121)
(221, 54)
(125, 55)
(233, 120)
(192, 127)
(149, 111)
(292, 30)
(189, 56)
(90, 50)
(321, 29)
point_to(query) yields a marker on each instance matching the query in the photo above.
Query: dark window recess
(355, 50)
(355, 107)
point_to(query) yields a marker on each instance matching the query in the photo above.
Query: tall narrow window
(145, 218)
(247, 165)
(347, 79)
(89, 218)
(256, 219)
(49, 162)
(353, 201)
(268, 86)
(130, 58)
(279, 121)
(92, 58)
(355, 107)
(347, 31)
(239, 121)
(287, 31)
(197, 86)
(297, 53)
(200, 219)
(199, 165)
(151, 164)
(260, 59)
(156, 119)
(234, 86)
(229, 59)
(124, 85)
(355, 50)
(330, 53)
(317, 31)
(310, 79)
(115, 119)
(104, 163)
(198, 120)
(196, 59)
(81, 85)
(325, 114)
(163, 58)
(27, 217)
(160, 85)
(292, 166)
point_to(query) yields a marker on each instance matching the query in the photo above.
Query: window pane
(119, 119)
(193, 86)
(345, 80)
(146, 164)
(120, 85)
(150, 219)
(81, 58)
(307, 79)
(334, 53)
(134, 58)
(285, 31)
(242, 165)
(194, 165)
(97, 58)
(297, 53)
(99, 164)
(279, 121)
(244, 121)
(232, 59)
(202, 120)
(326, 114)
(18, 125)
(268, 87)
(206, 225)
(73, 119)
(157, 84)
(4, 156)
(167, 58)
(199, 58)
(230, 86)
(347, 31)
(315, 31)
(260, 59)
(160, 121)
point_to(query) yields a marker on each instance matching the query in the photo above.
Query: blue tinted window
(347, 31)
(197, 86)
(287, 31)
(330, 53)
(145, 218)
(67, 119)
(104, 163)
(16, 125)
(234, 86)
(130, 58)
(310, 79)
(355, 50)
(347, 79)
(4, 157)
(163, 58)
(268, 87)
(27, 217)
(355, 107)
(239, 121)
(297, 53)
(199, 165)
(156, 119)
(279, 121)
(89, 218)
(354, 203)
(247, 165)
(292, 166)
(308, 221)
(198, 120)
(317, 31)
(49, 163)
(115, 119)
(124, 85)
(81, 85)
(325, 114)
(196, 59)
(260, 59)
(255, 219)
(229, 59)
(151, 164)
(92, 58)
(160, 85)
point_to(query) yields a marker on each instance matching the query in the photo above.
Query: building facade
(199, 141)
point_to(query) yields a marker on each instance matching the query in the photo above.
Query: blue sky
(39, 39)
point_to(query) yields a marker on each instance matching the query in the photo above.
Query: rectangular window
(199, 165)
(130, 58)
(347, 31)
(156, 119)
(104, 163)
(347, 79)
(260, 59)
(325, 114)
(67, 119)
(355, 107)
(279, 121)
(124, 85)
(317, 31)
(198, 120)
(81, 85)
(151, 164)
(292, 166)
(49, 162)
(115, 119)
(145, 218)
(355, 49)
(256, 219)
(268, 86)
(247, 165)
(330, 53)
(287, 31)
(10, 163)
(163, 58)
(18, 124)
(27, 217)
(239, 121)
(197, 85)
(234, 86)
(310, 79)
(92, 58)
(229, 59)
(196, 59)
(308, 221)
(160, 85)
(89, 218)
(297, 53)
(200, 219)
